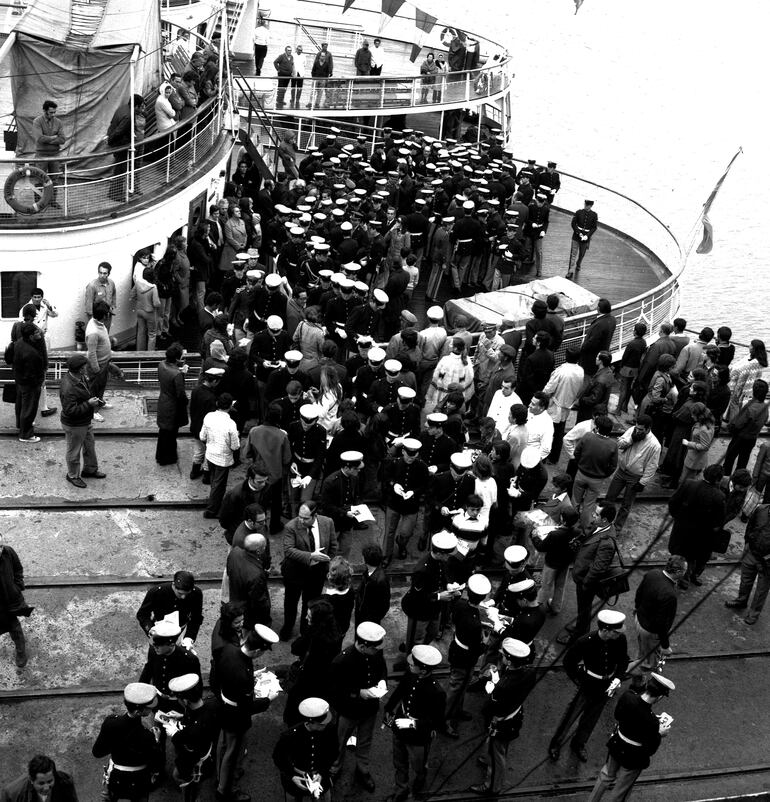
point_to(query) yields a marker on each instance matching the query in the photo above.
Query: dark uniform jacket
(299, 750)
(353, 671)
(200, 729)
(129, 743)
(537, 220)
(422, 699)
(466, 646)
(373, 596)
(428, 580)
(437, 450)
(308, 448)
(338, 494)
(638, 723)
(280, 377)
(589, 653)
(513, 687)
(414, 477)
(403, 422)
(447, 491)
(266, 348)
(235, 676)
(159, 669)
(161, 600)
(584, 221)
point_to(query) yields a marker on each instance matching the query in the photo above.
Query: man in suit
(373, 595)
(584, 223)
(655, 610)
(598, 337)
(309, 543)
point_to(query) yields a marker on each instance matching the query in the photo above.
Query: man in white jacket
(563, 388)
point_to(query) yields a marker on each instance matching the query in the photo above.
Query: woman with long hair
(227, 629)
(329, 397)
(315, 651)
(172, 404)
(309, 338)
(698, 445)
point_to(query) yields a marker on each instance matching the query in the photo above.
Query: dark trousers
(218, 487)
(283, 82)
(260, 51)
(585, 599)
(165, 451)
(625, 483)
(459, 679)
(558, 439)
(274, 499)
(306, 588)
(409, 758)
(27, 399)
(584, 707)
(740, 449)
(98, 381)
(16, 633)
(753, 569)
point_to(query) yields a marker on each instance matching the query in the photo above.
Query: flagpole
(707, 205)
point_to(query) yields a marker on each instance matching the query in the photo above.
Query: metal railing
(89, 187)
(371, 93)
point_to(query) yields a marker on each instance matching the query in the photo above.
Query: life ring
(36, 193)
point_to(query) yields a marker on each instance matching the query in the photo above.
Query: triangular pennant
(416, 50)
(425, 22)
(347, 5)
(390, 7)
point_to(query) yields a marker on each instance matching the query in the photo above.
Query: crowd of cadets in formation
(340, 422)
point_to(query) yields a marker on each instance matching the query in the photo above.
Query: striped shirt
(220, 434)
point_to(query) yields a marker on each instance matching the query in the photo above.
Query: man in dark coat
(119, 134)
(596, 395)
(247, 580)
(12, 602)
(341, 490)
(598, 337)
(180, 597)
(698, 510)
(30, 361)
(249, 491)
(584, 223)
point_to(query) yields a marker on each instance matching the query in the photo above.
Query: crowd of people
(318, 377)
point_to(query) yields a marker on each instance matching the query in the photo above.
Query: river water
(652, 99)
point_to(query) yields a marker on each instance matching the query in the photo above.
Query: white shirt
(316, 536)
(575, 435)
(564, 387)
(540, 433)
(300, 64)
(261, 35)
(378, 55)
(500, 408)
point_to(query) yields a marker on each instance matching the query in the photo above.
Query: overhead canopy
(515, 303)
(79, 55)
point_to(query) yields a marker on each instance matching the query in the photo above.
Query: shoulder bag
(615, 581)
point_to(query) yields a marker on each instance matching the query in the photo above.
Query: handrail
(307, 33)
(256, 105)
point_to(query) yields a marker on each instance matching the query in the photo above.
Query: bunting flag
(347, 5)
(707, 243)
(578, 3)
(416, 50)
(425, 22)
(390, 7)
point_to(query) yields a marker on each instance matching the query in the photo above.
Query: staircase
(234, 9)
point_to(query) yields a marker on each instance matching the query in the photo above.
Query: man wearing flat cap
(132, 748)
(305, 753)
(594, 662)
(585, 221)
(635, 740)
(78, 405)
(360, 681)
(414, 713)
(179, 600)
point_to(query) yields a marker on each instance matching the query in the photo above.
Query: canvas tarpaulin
(84, 64)
(515, 303)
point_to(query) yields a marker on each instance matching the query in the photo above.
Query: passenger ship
(92, 56)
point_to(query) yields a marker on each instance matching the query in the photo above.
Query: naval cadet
(448, 492)
(438, 446)
(414, 713)
(307, 439)
(360, 681)
(548, 181)
(403, 415)
(194, 735)
(166, 660)
(341, 491)
(504, 711)
(235, 676)
(133, 748)
(528, 616)
(595, 663)
(305, 754)
(406, 478)
(465, 649)
(515, 562)
(585, 221)
(180, 599)
(635, 740)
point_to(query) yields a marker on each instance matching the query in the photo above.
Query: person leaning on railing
(119, 136)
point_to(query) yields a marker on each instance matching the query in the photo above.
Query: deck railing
(94, 186)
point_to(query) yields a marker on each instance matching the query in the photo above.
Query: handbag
(9, 393)
(615, 581)
(720, 540)
(750, 503)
